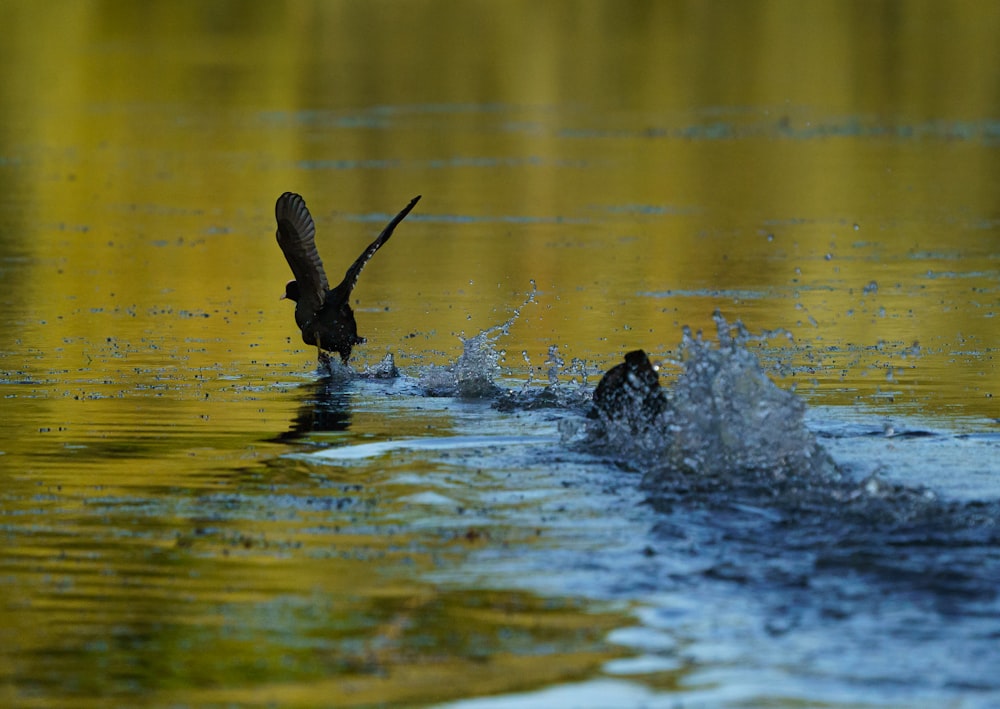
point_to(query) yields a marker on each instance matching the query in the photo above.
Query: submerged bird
(323, 314)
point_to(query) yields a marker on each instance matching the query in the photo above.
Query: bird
(630, 393)
(323, 314)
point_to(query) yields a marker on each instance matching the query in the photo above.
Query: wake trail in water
(725, 450)
(745, 495)
(725, 453)
(722, 438)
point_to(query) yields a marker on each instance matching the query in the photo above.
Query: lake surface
(193, 515)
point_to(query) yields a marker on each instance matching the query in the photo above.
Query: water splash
(385, 369)
(727, 416)
(332, 368)
(571, 395)
(722, 416)
(555, 363)
(473, 375)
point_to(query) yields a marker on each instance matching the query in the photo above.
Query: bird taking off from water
(323, 314)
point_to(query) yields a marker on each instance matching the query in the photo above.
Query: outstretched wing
(297, 239)
(343, 291)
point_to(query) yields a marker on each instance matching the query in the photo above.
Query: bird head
(292, 291)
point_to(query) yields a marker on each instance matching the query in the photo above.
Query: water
(193, 514)
(817, 579)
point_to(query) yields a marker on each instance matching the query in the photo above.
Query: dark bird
(323, 314)
(630, 393)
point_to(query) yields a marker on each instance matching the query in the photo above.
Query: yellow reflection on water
(605, 152)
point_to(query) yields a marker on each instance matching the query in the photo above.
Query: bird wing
(343, 290)
(297, 239)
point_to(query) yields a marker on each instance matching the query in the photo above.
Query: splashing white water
(473, 375)
(726, 415)
(722, 416)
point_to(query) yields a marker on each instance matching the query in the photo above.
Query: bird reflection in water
(325, 406)
(326, 402)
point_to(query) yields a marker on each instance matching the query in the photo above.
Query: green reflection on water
(644, 163)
